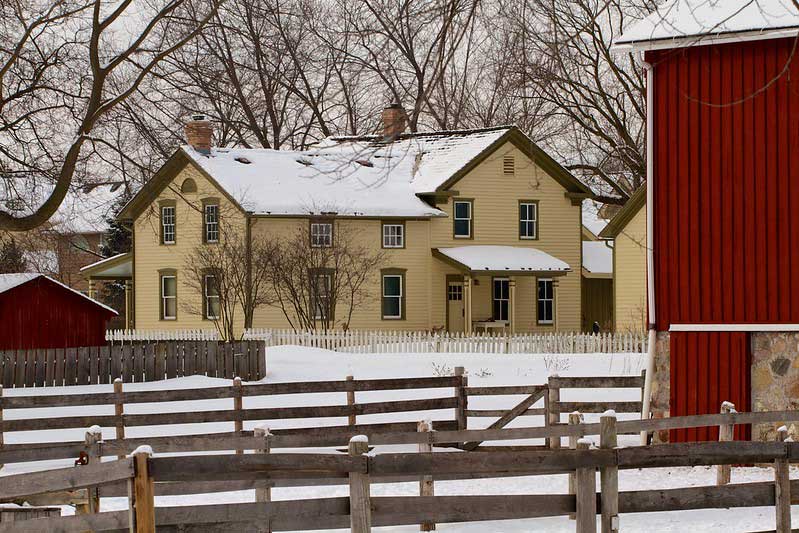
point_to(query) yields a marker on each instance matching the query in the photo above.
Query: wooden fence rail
(363, 341)
(138, 362)
(360, 511)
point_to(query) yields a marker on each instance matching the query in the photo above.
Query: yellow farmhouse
(627, 229)
(478, 229)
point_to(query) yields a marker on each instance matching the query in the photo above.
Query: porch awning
(118, 266)
(502, 259)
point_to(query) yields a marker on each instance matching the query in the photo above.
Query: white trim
(733, 327)
(399, 297)
(398, 236)
(704, 40)
(456, 218)
(165, 297)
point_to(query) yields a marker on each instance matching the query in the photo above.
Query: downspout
(650, 265)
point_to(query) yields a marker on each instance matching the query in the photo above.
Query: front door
(455, 314)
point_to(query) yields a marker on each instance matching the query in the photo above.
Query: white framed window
(169, 297)
(528, 220)
(321, 234)
(321, 291)
(211, 289)
(168, 224)
(546, 301)
(392, 296)
(501, 299)
(211, 223)
(462, 219)
(393, 236)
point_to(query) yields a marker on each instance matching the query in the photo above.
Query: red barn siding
(43, 314)
(707, 369)
(726, 168)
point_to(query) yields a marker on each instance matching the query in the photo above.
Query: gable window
(168, 224)
(546, 301)
(211, 295)
(528, 220)
(211, 223)
(320, 290)
(462, 219)
(509, 165)
(169, 297)
(393, 235)
(501, 297)
(321, 234)
(393, 294)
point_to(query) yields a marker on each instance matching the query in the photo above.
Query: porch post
(128, 317)
(512, 304)
(91, 288)
(555, 304)
(467, 303)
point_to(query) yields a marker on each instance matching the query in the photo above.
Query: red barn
(723, 150)
(39, 312)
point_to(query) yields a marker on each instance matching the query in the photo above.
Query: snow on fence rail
(361, 341)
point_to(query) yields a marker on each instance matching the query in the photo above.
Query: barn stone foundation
(775, 379)
(661, 384)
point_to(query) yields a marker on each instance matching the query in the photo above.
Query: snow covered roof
(515, 259)
(597, 258)
(591, 218)
(119, 266)
(10, 281)
(686, 22)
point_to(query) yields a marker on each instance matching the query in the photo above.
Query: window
(528, 220)
(211, 297)
(321, 234)
(546, 301)
(455, 292)
(393, 236)
(211, 223)
(462, 219)
(168, 224)
(393, 297)
(501, 298)
(509, 165)
(321, 295)
(169, 297)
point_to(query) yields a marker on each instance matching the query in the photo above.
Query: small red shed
(39, 312)
(723, 168)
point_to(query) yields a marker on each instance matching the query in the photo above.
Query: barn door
(708, 368)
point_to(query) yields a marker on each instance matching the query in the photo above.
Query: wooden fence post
(426, 484)
(609, 475)
(238, 422)
(552, 409)
(460, 393)
(143, 492)
(352, 418)
(586, 494)
(92, 439)
(574, 419)
(264, 494)
(360, 501)
(782, 487)
(725, 435)
(119, 408)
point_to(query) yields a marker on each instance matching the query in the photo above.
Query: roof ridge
(434, 133)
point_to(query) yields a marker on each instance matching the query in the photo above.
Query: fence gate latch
(82, 460)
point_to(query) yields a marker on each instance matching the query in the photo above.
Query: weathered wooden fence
(360, 341)
(132, 362)
(149, 476)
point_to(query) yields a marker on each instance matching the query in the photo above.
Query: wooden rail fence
(149, 476)
(363, 341)
(132, 362)
(448, 403)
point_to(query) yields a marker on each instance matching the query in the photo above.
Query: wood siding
(629, 275)
(597, 303)
(726, 168)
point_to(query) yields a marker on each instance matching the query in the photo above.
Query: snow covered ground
(304, 364)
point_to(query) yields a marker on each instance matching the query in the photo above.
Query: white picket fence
(149, 335)
(443, 342)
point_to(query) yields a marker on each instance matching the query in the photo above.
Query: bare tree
(64, 67)
(231, 277)
(319, 287)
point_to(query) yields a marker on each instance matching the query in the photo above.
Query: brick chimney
(394, 121)
(198, 133)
